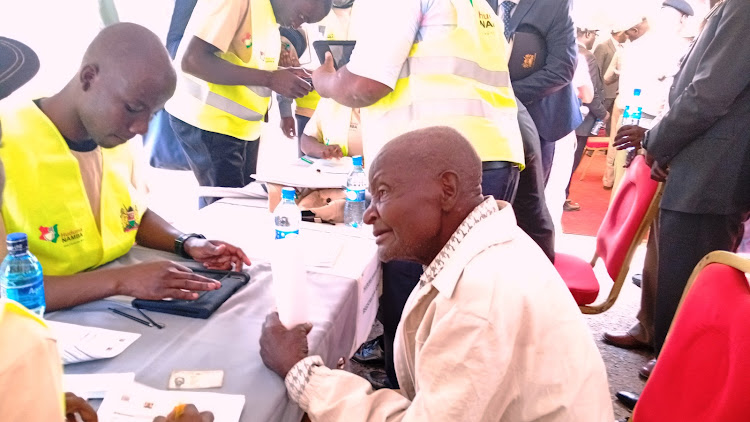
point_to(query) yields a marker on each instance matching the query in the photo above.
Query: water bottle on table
(21, 275)
(356, 184)
(287, 216)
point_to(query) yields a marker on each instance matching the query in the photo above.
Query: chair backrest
(703, 371)
(629, 215)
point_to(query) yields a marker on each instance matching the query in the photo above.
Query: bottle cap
(288, 193)
(17, 243)
(357, 160)
(637, 92)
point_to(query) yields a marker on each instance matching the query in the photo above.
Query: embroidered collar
(481, 212)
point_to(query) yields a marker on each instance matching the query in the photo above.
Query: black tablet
(340, 50)
(208, 301)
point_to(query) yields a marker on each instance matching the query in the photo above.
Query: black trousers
(400, 277)
(581, 144)
(216, 159)
(683, 240)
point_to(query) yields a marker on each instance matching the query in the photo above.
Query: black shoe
(370, 352)
(378, 379)
(627, 398)
(637, 278)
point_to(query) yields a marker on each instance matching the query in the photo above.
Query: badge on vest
(247, 40)
(49, 234)
(128, 216)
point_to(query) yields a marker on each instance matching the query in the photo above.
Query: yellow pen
(179, 410)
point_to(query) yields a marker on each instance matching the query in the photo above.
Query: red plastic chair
(593, 144)
(625, 224)
(703, 370)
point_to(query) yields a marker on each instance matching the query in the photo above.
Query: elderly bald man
(490, 333)
(70, 179)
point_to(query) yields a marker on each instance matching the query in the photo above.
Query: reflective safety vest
(328, 29)
(459, 79)
(335, 120)
(234, 110)
(45, 197)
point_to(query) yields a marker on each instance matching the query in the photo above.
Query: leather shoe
(624, 340)
(645, 371)
(571, 206)
(370, 352)
(637, 279)
(378, 379)
(627, 398)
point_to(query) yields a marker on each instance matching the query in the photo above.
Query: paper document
(253, 190)
(302, 176)
(95, 386)
(139, 403)
(78, 343)
(336, 166)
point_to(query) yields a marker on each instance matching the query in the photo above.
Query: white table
(228, 340)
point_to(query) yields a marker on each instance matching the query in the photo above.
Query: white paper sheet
(139, 403)
(78, 343)
(95, 386)
(253, 191)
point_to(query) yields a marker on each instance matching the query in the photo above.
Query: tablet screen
(340, 50)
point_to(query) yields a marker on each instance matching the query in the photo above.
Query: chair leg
(588, 163)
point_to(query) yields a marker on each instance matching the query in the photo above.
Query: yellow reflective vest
(459, 80)
(335, 121)
(45, 198)
(234, 110)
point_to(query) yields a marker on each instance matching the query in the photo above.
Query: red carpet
(589, 193)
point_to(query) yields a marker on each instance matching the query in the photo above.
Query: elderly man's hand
(629, 136)
(659, 172)
(281, 348)
(75, 404)
(215, 254)
(186, 413)
(323, 75)
(162, 279)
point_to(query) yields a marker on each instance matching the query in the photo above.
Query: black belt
(495, 165)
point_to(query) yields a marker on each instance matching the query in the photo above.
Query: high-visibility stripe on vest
(327, 29)
(459, 80)
(45, 197)
(234, 110)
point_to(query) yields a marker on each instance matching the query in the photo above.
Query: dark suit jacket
(604, 53)
(548, 93)
(596, 106)
(705, 136)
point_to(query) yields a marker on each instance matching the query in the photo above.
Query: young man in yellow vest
(228, 68)
(69, 173)
(435, 62)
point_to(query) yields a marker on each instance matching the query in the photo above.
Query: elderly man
(70, 179)
(490, 332)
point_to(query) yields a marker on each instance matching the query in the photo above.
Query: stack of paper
(139, 403)
(253, 190)
(78, 343)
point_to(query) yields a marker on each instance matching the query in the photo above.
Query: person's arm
(288, 124)
(201, 61)
(612, 74)
(378, 57)
(560, 63)
(314, 148)
(720, 77)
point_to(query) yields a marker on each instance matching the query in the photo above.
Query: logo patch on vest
(247, 39)
(485, 21)
(49, 234)
(128, 217)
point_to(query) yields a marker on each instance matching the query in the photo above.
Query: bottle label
(355, 195)
(29, 294)
(280, 234)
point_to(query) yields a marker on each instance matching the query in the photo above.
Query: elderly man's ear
(450, 190)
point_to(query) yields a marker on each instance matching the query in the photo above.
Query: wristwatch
(179, 243)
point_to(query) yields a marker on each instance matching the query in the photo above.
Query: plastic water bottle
(21, 275)
(287, 216)
(356, 184)
(632, 114)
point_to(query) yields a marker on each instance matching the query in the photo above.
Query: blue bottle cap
(357, 160)
(16, 237)
(637, 92)
(288, 193)
(17, 243)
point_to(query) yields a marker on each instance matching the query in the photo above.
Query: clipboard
(340, 50)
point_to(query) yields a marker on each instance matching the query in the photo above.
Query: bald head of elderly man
(490, 333)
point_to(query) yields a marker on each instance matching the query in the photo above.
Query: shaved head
(423, 184)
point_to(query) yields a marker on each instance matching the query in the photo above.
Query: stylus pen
(126, 315)
(156, 324)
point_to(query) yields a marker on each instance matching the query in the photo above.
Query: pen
(156, 324)
(307, 160)
(126, 315)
